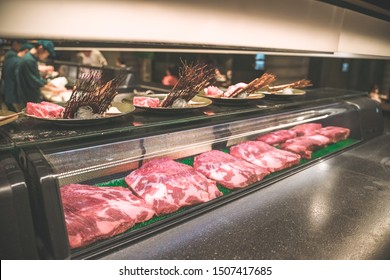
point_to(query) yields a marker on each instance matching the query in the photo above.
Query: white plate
(252, 98)
(282, 93)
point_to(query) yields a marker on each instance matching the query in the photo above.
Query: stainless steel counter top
(336, 209)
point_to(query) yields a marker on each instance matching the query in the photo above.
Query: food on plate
(288, 88)
(228, 170)
(242, 90)
(181, 103)
(44, 110)
(233, 88)
(334, 133)
(85, 113)
(264, 155)
(277, 137)
(143, 101)
(305, 145)
(90, 99)
(213, 91)
(92, 93)
(306, 129)
(49, 110)
(168, 185)
(94, 213)
(193, 78)
(287, 91)
(113, 111)
(258, 83)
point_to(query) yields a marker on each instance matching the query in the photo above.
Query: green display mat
(190, 161)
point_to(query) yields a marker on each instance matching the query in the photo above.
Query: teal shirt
(10, 92)
(29, 79)
(9, 54)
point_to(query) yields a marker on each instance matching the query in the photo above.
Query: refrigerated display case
(55, 156)
(17, 235)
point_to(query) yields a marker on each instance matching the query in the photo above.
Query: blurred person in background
(385, 96)
(120, 62)
(374, 93)
(92, 57)
(171, 76)
(221, 79)
(15, 48)
(12, 52)
(11, 97)
(30, 82)
(388, 96)
(2, 52)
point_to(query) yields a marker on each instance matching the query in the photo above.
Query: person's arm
(47, 70)
(29, 73)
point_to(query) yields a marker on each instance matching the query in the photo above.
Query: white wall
(364, 35)
(307, 25)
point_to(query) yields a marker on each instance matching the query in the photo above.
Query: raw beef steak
(228, 170)
(169, 185)
(44, 110)
(146, 101)
(305, 145)
(264, 155)
(334, 133)
(277, 137)
(94, 213)
(307, 129)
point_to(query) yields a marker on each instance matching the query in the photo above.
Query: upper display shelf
(28, 131)
(309, 26)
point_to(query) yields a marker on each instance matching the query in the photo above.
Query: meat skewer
(90, 91)
(260, 82)
(193, 78)
(298, 84)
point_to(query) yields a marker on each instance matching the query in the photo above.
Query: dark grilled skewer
(193, 78)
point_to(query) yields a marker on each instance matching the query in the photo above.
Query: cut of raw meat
(94, 213)
(233, 88)
(264, 155)
(307, 129)
(44, 110)
(305, 145)
(276, 137)
(146, 101)
(213, 91)
(334, 133)
(228, 170)
(169, 185)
